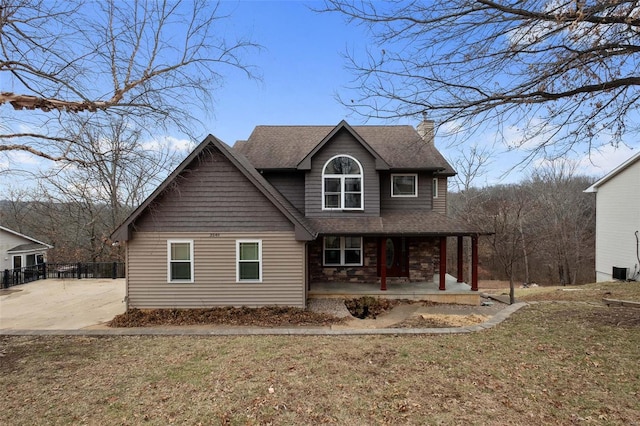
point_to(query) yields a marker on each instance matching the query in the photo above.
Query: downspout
(636, 273)
(126, 277)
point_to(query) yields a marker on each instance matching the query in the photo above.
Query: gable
(10, 238)
(632, 163)
(342, 143)
(211, 194)
(343, 132)
(214, 185)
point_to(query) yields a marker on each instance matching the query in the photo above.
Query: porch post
(460, 260)
(383, 264)
(474, 263)
(443, 263)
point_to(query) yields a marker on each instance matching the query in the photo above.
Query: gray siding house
(19, 251)
(290, 208)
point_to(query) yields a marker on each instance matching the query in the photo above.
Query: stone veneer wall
(424, 258)
(423, 263)
(367, 273)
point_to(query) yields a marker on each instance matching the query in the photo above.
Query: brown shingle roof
(28, 247)
(416, 222)
(284, 147)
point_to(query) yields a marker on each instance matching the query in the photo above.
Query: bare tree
(116, 172)
(559, 73)
(545, 226)
(569, 216)
(471, 165)
(153, 61)
(504, 211)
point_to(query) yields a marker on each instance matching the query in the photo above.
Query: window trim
(434, 187)
(342, 251)
(238, 261)
(342, 185)
(415, 180)
(191, 261)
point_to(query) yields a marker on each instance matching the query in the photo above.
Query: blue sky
(302, 70)
(301, 66)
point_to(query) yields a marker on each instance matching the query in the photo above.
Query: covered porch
(400, 254)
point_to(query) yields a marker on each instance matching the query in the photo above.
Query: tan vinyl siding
(342, 143)
(212, 195)
(423, 201)
(283, 275)
(440, 203)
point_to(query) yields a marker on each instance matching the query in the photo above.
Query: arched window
(342, 184)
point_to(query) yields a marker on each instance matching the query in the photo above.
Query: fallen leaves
(270, 316)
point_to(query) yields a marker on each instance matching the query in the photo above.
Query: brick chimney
(425, 129)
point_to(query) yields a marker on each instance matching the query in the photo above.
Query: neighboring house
(618, 222)
(19, 251)
(291, 208)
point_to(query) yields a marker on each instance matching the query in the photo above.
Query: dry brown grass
(550, 363)
(594, 292)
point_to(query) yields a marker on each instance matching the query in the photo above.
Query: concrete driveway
(54, 304)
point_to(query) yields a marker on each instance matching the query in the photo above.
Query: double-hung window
(342, 251)
(249, 261)
(342, 184)
(404, 185)
(180, 261)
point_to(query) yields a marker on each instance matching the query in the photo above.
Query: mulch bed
(270, 316)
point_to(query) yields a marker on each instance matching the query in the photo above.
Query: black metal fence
(12, 277)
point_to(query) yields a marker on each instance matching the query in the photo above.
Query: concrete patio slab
(57, 304)
(455, 293)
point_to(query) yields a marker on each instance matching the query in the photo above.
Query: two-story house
(291, 209)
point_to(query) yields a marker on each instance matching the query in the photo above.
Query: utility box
(619, 273)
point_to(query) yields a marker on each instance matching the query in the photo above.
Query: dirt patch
(441, 321)
(270, 316)
(370, 307)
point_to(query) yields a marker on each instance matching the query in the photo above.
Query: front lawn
(549, 363)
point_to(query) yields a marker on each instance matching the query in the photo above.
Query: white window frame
(191, 261)
(435, 187)
(238, 261)
(342, 251)
(415, 185)
(343, 178)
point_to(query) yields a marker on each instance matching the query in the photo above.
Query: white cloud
(20, 160)
(170, 142)
(605, 159)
